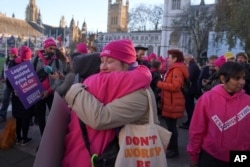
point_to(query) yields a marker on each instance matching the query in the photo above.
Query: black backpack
(186, 86)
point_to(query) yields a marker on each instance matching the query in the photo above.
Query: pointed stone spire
(202, 2)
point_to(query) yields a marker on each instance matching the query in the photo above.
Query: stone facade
(117, 16)
(32, 11)
(32, 31)
(150, 39)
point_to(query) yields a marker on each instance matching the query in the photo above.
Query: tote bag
(8, 134)
(142, 145)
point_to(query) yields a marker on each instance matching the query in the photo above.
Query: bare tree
(143, 17)
(197, 20)
(156, 16)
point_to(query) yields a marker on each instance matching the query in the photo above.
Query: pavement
(24, 156)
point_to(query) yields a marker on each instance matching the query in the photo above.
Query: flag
(1, 39)
(59, 39)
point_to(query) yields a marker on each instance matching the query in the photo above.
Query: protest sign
(25, 82)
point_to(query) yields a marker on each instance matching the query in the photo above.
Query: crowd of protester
(223, 77)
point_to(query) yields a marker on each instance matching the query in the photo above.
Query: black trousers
(189, 105)
(206, 160)
(22, 127)
(172, 127)
(40, 111)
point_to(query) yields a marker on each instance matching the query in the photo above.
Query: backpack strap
(35, 62)
(85, 136)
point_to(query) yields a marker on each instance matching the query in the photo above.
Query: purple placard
(24, 80)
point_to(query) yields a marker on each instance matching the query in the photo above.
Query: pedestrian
(229, 56)
(206, 72)
(172, 98)
(114, 81)
(81, 48)
(242, 58)
(10, 62)
(156, 76)
(46, 57)
(191, 94)
(214, 78)
(22, 115)
(215, 130)
(140, 55)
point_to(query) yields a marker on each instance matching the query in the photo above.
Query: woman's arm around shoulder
(128, 109)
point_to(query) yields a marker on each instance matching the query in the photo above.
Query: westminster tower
(117, 16)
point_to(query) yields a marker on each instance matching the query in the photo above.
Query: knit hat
(152, 56)
(82, 48)
(13, 51)
(122, 50)
(242, 54)
(49, 42)
(229, 55)
(220, 61)
(25, 53)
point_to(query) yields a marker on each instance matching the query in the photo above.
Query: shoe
(183, 126)
(26, 141)
(172, 153)
(18, 141)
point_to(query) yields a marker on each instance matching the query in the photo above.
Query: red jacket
(173, 101)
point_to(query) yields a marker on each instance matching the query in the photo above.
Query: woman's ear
(222, 79)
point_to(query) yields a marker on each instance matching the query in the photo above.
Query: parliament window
(176, 4)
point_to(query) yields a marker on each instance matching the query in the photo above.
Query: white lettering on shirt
(232, 121)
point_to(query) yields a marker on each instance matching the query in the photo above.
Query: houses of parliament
(32, 31)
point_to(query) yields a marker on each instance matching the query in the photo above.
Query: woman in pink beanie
(13, 51)
(22, 115)
(82, 48)
(122, 50)
(25, 54)
(114, 81)
(219, 61)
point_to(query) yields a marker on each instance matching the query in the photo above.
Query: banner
(25, 82)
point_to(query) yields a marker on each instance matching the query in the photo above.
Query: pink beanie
(152, 56)
(82, 48)
(122, 50)
(49, 42)
(13, 51)
(220, 61)
(25, 53)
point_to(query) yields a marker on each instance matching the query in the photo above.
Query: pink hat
(25, 53)
(82, 48)
(122, 50)
(49, 42)
(13, 51)
(152, 56)
(220, 61)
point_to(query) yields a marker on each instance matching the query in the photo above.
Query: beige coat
(132, 108)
